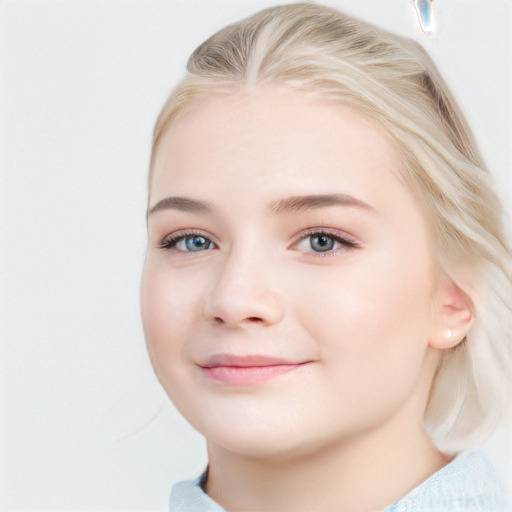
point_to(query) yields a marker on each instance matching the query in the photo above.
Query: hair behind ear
(471, 389)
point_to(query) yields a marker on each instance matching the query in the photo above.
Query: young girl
(327, 290)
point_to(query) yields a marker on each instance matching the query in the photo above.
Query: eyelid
(334, 232)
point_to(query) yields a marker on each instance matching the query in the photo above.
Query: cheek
(168, 307)
(371, 318)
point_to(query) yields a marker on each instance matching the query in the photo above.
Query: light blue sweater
(467, 484)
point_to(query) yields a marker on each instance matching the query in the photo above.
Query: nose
(242, 294)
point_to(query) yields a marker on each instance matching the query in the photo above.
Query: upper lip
(246, 361)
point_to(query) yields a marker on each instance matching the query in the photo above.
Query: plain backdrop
(84, 424)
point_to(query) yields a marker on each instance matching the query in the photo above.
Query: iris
(321, 243)
(197, 243)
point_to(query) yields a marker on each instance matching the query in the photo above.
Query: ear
(453, 315)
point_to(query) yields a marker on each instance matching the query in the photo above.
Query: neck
(366, 474)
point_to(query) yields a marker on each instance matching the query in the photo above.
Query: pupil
(322, 243)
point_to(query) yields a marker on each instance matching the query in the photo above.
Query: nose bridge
(244, 289)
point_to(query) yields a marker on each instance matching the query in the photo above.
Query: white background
(84, 425)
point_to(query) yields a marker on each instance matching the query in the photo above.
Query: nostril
(221, 308)
(252, 319)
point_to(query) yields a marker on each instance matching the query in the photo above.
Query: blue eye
(187, 243)
(197, 243)
(324, 242)
(321, 243)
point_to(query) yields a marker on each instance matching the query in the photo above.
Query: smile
(245, 370)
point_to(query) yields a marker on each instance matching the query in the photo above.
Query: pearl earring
(448, 334)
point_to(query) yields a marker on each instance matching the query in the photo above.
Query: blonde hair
(393, 80)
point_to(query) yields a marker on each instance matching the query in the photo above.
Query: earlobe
(454, 315)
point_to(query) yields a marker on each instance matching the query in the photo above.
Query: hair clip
(425, 12)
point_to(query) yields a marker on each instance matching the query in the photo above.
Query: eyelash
(170, 242)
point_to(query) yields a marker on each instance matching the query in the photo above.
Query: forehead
(269, 138)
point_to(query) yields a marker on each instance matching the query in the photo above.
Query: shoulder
(469, 483)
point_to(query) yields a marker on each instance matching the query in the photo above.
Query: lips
(246, 370)
(243, 361)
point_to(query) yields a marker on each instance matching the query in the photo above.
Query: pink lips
(245, 370)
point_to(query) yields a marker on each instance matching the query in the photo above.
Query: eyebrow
(281, 206)
(184, 204)
(315, 201)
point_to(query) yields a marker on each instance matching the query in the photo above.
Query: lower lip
(247, 375)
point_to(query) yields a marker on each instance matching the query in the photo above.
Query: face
(288, 284)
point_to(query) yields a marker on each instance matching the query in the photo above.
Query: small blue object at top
(425, 11)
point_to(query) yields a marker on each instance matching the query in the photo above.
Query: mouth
(246, 370)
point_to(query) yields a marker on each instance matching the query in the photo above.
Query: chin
(257, 445)
(262, 439)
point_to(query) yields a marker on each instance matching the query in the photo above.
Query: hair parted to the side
(393, 80)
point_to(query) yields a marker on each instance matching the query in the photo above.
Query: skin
(343, 431)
